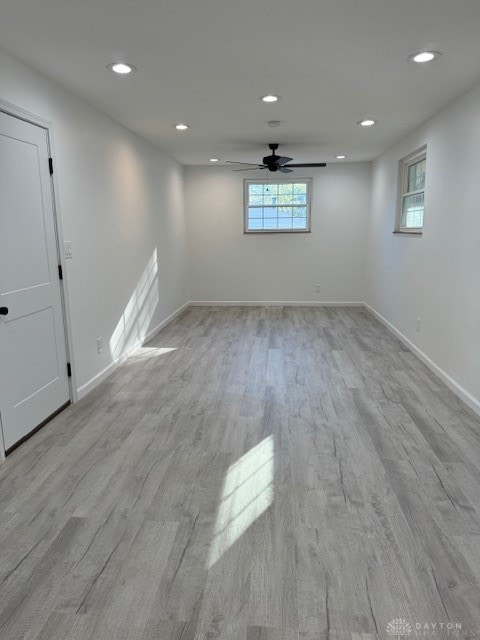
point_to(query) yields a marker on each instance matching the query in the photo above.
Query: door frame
(22, 114)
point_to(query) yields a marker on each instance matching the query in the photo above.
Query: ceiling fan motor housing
(271, 160)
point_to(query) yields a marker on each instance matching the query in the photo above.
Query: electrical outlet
(419, 324)
(67, 247)
(318, 288)
(99, 345)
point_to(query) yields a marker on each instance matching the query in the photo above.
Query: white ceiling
(333, 62)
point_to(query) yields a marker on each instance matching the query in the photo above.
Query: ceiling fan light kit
(276, 163)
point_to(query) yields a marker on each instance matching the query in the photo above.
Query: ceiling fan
(277, 163)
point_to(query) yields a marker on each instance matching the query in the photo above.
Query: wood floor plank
(252, 473)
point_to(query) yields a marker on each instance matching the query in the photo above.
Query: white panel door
(33, 362)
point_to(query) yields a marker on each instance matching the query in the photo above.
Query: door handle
(3, 311)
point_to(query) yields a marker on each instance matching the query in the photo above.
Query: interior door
(33, 361)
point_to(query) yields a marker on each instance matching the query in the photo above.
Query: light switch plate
(67, 247)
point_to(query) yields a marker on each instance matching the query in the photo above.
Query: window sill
(407, 233)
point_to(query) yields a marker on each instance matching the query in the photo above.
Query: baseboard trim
(272, 303)
(163, 323)
(103, 375)
(452, 384)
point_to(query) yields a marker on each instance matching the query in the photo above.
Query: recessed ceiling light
(274, 123)
(213, 159)
(341, 157)
(122, 68)
(269, 98)
(181, 126)
(368, 122)
(424, 56)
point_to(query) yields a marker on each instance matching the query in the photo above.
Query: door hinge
(60, 272)
(50, 165)
(69, 369)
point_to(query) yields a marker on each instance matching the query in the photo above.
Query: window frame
(403, 168)
(248, 181)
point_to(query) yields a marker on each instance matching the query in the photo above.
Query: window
(412, 193)
(277, 207)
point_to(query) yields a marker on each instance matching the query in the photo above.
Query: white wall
(227, 265)
(435, 277)
(121, 203)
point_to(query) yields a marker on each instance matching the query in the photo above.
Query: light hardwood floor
(251, 474)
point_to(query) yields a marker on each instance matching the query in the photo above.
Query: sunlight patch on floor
(144, 353)
(247, 493)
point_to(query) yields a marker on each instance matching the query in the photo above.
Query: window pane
(300, 188)
(270, 212)
(255, 189)
(300, 212)
(254, 199)
(300, 198)
(270, 189)
(299, 223)
(416, 176)
(285, 223)
(254, 224)
(270, 223)
(255, 212)
(285, 189)
(412, 211)
(267, 200)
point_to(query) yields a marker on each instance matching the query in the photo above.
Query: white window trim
(403, 167)
(248, 181)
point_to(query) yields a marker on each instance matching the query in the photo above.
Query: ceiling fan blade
(249, 163)
(283, 160)
(285, 170)
(309, 164)
(256, 168)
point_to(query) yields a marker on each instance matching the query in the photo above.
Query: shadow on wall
(135, 321)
